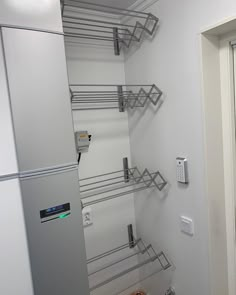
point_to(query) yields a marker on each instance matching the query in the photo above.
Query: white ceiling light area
(115, 3)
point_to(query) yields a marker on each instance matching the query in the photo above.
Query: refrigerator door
(40, 99)
(54, 227)
(44, 14)
(7, 147)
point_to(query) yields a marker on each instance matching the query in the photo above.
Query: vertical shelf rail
(112, 185)
(122, 97)
(122, 27)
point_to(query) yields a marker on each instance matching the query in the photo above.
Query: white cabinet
(8, 162)
(36, 14)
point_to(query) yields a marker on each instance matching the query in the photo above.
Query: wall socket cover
(87, 216)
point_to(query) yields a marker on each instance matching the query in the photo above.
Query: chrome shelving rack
(107, 96)
(84, 22)
(115, 184)
(124, 27)
(136, 247)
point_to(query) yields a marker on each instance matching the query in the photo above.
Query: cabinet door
(53, 218)
(8, 162)
(41, 14)
(40, 99)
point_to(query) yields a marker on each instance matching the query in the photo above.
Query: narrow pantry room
(117, 160)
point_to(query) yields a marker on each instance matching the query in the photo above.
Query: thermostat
(181, 170)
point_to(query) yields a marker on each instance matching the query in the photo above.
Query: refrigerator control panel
(52, 213)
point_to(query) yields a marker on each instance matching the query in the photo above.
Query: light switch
(187, 225)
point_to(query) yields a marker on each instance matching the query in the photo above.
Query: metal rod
(114, 189)
(100, 181)
(94, 100)
(93, 109)
(118, 261)
(126, 169)
(116, 196)
(116, 41)
(87, 37)
(120, 98)
(94, 30)
(131, 236)
(99, 21)
(102, 186)
(110, 93)
(132, 14)
(113, 178)
(122, 273)
(90, 36)
(107, 6)
(114, 263)
(105, 174)
(104, 85)
(89, 30)
(90, 25)
(108, 253)
(106, 98)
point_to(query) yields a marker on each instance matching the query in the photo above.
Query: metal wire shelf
(136, 248)
(107, 96)
(112, 185)
(119, 31)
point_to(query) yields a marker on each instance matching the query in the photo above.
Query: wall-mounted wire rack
(122, 27)
(122, 97)
(115, 184)
(114, 264)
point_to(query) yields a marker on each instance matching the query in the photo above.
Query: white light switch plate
(187, 225)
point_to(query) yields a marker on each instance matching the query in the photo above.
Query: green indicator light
(64, 215)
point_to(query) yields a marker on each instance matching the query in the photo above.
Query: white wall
(172, 60)
(15, 271)
(110, 143)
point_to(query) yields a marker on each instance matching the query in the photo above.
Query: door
(53, 219)
(40, 99)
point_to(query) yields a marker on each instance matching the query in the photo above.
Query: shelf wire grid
(122, 97)
(146, 252)
(85, 20)
(109, 186)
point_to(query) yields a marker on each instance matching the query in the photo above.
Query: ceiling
(115, 3)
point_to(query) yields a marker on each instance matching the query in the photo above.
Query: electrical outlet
(87, 216)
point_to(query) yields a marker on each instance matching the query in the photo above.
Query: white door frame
(220, 164)
(229, 148)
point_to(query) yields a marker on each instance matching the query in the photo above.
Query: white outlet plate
(187, 225)
(87, 216)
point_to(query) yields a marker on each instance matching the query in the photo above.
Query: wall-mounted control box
(82, 140)
(182, 170)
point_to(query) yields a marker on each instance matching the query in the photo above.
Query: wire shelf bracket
(122, 97)
(146, 252)
(120, 30)
(109, 186)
